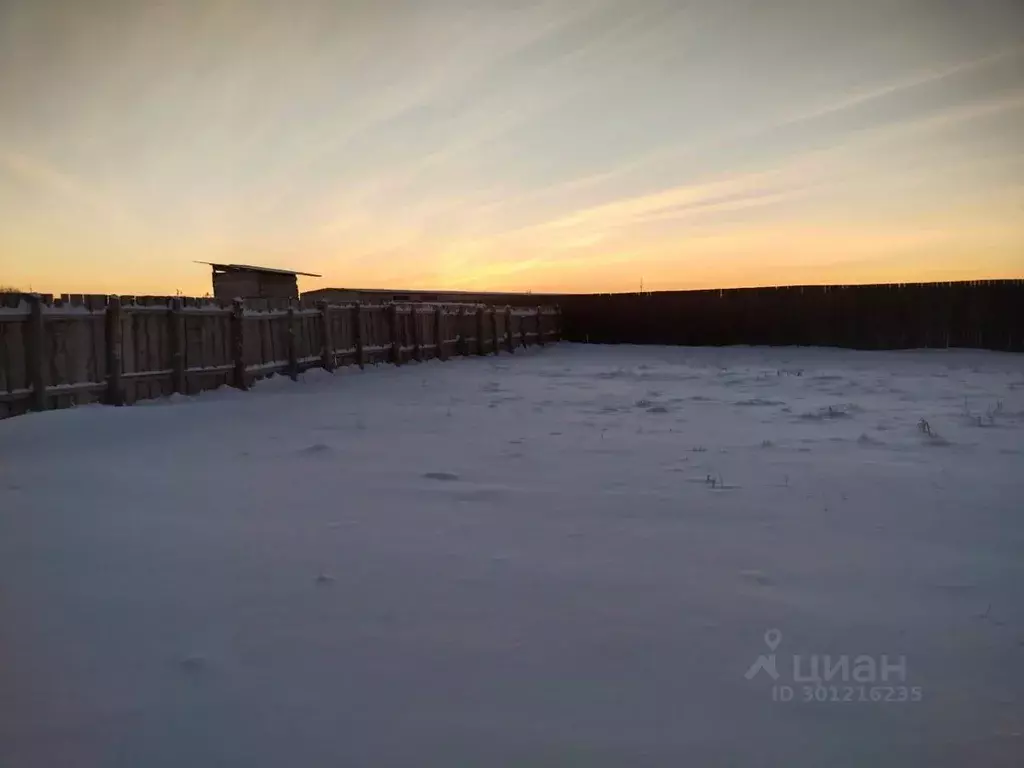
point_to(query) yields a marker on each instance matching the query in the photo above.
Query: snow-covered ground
(570, 557)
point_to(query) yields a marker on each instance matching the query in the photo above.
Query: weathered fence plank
(357, 334)
(395, 335)
(238, 344)
(293, 345)
(461, 324)
(115, 392)
(176, 337)
(36, 353)
(508, 331)
(417, 344)
(327, 357)
(439, 333)
(481, 330)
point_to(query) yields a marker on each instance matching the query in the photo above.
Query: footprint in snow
(317, 449)
(757, 577)
(194, 664)
(440, 476)
(955, 588)
(866, 439)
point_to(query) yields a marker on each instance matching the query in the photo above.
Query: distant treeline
(986, 314)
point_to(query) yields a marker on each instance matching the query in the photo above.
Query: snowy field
(570, 557)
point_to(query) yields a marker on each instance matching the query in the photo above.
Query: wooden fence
(116, 350)
(982, 314)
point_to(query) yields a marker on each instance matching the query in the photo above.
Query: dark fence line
(980, 314)
(56, 353)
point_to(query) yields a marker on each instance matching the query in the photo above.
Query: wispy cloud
(850, 103)
(792, 176)
(899, 86)
(43, 178)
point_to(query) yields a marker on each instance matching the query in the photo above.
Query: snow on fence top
(19, 308)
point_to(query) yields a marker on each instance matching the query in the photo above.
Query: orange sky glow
(552, 146)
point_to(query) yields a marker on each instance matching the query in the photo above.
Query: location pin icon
(772, 638)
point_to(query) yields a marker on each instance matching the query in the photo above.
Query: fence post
(439, 331)
(176, 335)
(414, 320)
(357, 333)
(481, 332)
(508, 331)
(540, 326)
(238, 342)
(327, 353)
(293, 346)
(396, 336)
(115, 394)
(35, 352)
(494, 330)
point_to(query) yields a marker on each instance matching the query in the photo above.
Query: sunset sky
(551, 146)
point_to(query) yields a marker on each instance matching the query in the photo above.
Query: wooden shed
(242, 281)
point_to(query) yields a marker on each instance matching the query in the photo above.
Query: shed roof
(251, 268)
